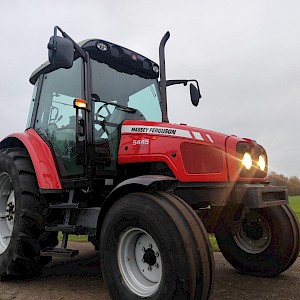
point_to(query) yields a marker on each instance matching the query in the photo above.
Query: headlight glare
(261, 163)
(252, 160)
(247, 161)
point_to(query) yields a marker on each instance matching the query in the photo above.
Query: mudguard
(132, 185)
(144, 181)
(40, 155)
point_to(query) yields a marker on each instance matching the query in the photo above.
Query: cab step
(53, 251)
(63, 228)
(64, 205)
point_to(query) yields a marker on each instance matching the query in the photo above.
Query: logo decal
(157, 130)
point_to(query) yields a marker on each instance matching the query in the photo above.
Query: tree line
(292, 183)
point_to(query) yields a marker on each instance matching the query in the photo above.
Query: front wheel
(155, 247)
(266, 242)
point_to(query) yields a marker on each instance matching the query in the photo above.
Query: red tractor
(100, 158)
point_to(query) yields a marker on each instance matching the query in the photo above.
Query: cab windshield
(127, 90)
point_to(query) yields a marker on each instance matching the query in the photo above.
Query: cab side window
(56, 116)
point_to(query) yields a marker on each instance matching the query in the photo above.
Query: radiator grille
(201, 159)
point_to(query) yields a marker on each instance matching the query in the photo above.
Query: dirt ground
(80, 278)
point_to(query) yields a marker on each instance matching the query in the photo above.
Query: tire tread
(31, 237)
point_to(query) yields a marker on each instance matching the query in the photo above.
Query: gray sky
(245, 54)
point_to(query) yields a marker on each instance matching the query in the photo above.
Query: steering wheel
(98, 115)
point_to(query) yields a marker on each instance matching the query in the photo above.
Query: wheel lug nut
(150, 246)
(156, 265)
(143, 249)
(143, 260)
(156, 254)
(150, 268)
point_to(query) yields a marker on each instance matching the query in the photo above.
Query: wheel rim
(254, 235)
(140, 262)
(7, 210)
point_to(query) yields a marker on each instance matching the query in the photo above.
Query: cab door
(57, 120)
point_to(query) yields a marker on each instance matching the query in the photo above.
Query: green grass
(74, 238)
(294, 203)
(213, 242)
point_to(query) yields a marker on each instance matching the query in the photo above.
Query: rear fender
(40, 155)
(145, 183)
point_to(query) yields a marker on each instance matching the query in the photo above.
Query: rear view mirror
(195, 95)
(61, 52)
(194, 91)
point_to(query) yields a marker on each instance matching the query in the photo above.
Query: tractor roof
(117, 57)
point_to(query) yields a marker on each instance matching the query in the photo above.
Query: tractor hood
(174, 130)
(192, 154)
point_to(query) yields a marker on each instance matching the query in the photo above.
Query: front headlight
(252, 160)
(261, 163)
(247, 161)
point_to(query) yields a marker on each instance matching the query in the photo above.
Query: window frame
(80, 179)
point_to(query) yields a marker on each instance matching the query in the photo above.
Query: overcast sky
(245, 55)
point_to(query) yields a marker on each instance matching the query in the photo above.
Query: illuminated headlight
(247, 161)
(252, 160)
(261, 163)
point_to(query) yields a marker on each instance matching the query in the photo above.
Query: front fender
(40, 155)
(143, 183)
(159, 182)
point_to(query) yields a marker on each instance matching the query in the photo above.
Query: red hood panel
(193, 154)
(177, 146)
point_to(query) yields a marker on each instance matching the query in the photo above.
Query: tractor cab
(114, 84)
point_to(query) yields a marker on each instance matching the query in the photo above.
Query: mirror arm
(182, 81)
(173, 82)
(76, 46)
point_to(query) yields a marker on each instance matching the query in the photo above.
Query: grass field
(294, 203)
(74, 238)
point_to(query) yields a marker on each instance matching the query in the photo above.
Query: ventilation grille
(201, 159)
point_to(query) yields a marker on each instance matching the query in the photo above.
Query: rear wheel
(155, 247)
(266, 242)
(22, 223)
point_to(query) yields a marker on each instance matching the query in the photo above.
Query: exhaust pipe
(163, 81)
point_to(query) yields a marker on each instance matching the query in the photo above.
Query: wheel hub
(254, 235)
(10, 209)
(140, 262)
(149, 257)
(7, 211)
(253, 230)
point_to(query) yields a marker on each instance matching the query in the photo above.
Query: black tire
(265, 244)
(24, 220)
(178, 240)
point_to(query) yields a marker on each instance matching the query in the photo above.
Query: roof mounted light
(102, 47)
(155, 68)
(134, 57)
